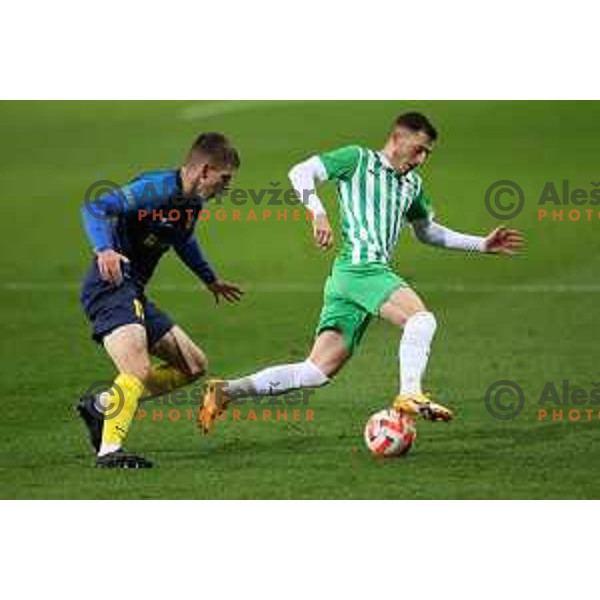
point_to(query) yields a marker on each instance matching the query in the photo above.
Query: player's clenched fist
(109, 265)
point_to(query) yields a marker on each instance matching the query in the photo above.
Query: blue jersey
(144, 219)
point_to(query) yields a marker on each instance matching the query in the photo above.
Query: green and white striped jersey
(375, 201)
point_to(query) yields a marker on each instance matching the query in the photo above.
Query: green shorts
(353, 295)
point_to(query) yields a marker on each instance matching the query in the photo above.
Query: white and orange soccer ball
(389, 433)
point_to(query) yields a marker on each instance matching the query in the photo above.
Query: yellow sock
(125, 394)
(164, 378)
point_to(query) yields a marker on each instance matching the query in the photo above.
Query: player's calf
(196, 363)
(414, 350)
(128, 348)
(272, 381)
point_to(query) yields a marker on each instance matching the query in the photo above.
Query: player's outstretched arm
(500, 241)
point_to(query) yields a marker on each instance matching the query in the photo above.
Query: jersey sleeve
(341, 163)
(421, 208)
(98, 215)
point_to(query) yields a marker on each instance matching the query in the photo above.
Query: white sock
(102, 401)
(108, 448)
(414, 351)
(277, 380)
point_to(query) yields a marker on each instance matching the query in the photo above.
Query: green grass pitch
(498, 318)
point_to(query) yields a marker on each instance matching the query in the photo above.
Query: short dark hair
(417, 122)
(215, 148)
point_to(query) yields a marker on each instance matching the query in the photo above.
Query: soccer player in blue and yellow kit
(130, 229)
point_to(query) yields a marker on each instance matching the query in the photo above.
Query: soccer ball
(388, 433)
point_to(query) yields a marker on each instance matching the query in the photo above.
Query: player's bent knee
(196, 364)
(141, 370)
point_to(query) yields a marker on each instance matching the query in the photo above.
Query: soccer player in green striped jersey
(378, 192)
